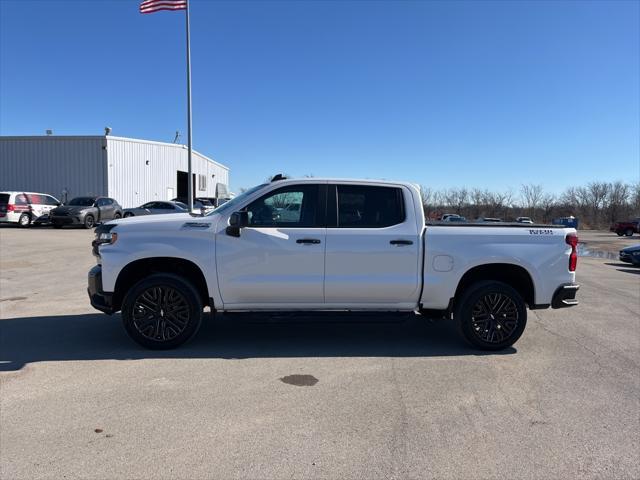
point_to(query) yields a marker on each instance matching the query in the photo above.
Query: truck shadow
(100, 337)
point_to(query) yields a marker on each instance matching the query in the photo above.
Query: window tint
(49, 200)
(163, 206)
(294, 206)
(369, 207)
(21, 199)
(4, 198)
(101, 202)
(82, 201)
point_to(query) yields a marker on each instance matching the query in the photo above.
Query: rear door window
(362, 206)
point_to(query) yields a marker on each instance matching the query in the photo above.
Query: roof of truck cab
(343, 180)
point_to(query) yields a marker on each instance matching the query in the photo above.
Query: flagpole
(189, 140)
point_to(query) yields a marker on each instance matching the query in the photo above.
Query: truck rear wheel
(491, 315)
(162, 311)
(628, 232)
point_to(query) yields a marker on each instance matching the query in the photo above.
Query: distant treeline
(596, 205)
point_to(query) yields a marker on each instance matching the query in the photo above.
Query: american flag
(152, 6)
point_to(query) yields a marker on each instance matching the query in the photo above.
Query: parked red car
(626, 228)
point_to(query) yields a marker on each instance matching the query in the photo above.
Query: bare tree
(619, 194)
(547, 204)
(531, 195)
(457, 198)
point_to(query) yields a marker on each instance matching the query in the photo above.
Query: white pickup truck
(329, 245)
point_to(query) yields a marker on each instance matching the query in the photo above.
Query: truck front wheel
(162, 311)
(491, 315)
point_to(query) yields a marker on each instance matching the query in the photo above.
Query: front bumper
(565, 296)
(67, 220)
(99, 299)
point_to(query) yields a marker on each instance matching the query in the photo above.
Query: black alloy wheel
(491, 315)
(494, 317)
(162, 311)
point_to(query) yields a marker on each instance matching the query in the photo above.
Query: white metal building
(130, 170)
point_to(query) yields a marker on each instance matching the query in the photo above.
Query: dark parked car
(85, 211)
(631, 255)
(155, 208)
(626, 228)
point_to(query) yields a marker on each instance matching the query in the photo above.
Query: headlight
(108, 237)
(104, 235)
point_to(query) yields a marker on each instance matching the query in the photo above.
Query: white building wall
(53, 164)
(140, 171)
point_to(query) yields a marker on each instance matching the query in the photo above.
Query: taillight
(572, 240)
(11, 207)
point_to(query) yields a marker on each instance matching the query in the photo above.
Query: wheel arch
(515, 276)
(139, 269)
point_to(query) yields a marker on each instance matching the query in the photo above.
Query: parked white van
(26, 208)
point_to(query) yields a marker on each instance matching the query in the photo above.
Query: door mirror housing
(237, 221)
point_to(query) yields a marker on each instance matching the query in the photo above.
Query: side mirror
(237, 221)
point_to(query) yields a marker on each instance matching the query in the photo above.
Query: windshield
(82, 202)
(231, 204)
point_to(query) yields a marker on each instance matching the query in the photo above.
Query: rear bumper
(99, 299)
(565, 296)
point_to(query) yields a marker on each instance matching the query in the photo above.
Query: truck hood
(169, 221)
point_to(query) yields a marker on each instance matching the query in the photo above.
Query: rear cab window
(367, 206)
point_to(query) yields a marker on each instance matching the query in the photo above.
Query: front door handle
(308, 241)
(401, 242)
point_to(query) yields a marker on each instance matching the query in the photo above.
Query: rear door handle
(401, 242)
(308, 241)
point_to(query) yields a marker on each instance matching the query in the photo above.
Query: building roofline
(107, 137)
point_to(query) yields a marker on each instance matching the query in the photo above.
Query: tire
(490, 299)
(24, 220)
(117, 216)
(628, 232)
(144, 307)
(89, 221)
(128, 214)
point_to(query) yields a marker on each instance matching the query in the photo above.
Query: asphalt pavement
(258, 397)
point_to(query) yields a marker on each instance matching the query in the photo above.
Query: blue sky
(446, 94)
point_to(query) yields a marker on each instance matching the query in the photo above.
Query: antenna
(49, 132)
(107, 131)
(175, 140)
